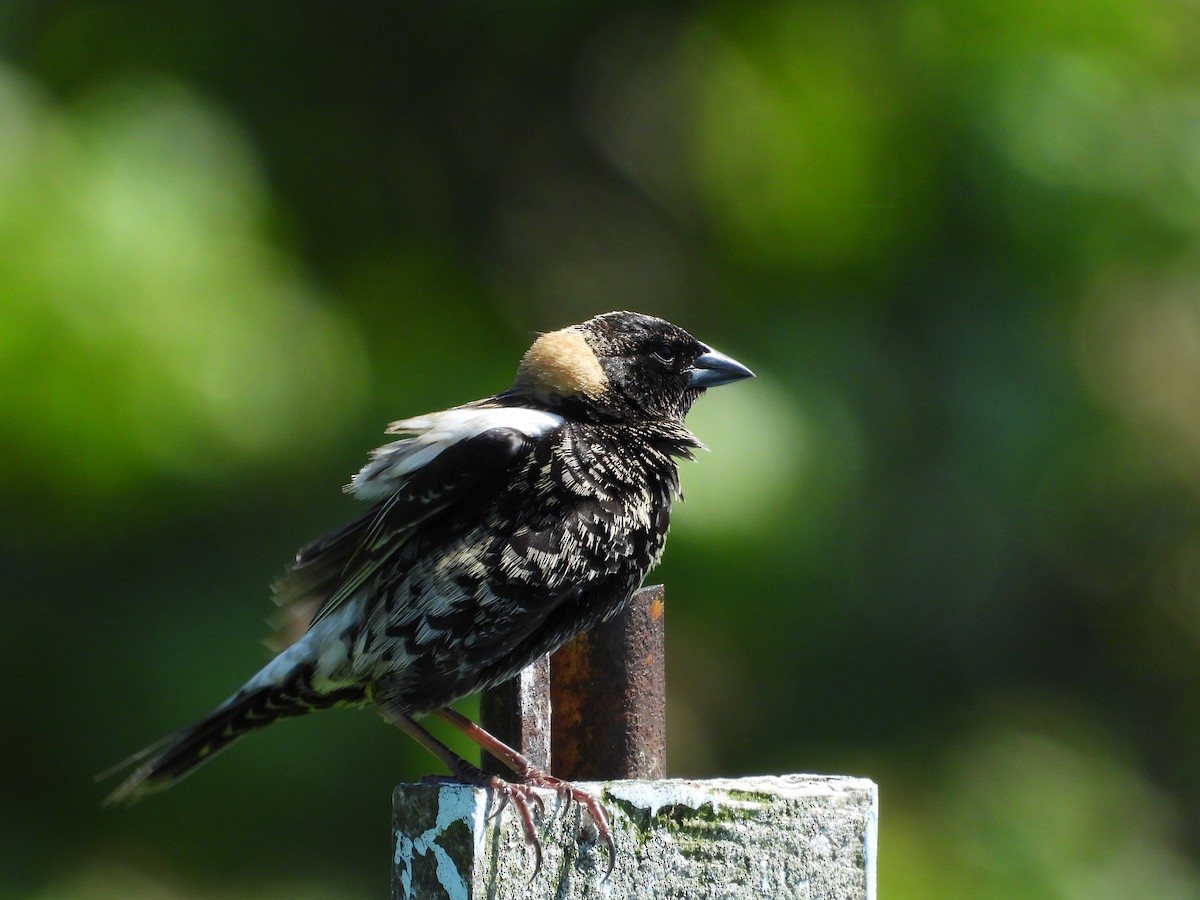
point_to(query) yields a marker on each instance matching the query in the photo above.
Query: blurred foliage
(949, 539)
(149, 319)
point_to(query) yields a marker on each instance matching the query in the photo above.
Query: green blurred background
(948, 539)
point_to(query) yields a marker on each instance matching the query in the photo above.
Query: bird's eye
(664, 353)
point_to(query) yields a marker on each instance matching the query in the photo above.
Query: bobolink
(500, 529)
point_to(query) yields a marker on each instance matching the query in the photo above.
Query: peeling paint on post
(801, 836)
(430, 863)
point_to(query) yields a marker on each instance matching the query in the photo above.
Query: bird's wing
(455, 455)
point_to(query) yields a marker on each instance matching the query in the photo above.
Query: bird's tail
(253, 707)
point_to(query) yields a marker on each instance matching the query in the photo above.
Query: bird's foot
(524, 798)
(531, 776)
(568, 792)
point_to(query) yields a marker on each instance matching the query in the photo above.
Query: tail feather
(164, 763)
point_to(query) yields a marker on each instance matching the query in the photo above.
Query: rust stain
(656, 607)
(608, 717)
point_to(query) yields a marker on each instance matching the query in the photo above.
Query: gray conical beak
(712, 368)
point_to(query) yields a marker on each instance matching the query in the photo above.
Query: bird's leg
(518, 794)
(532, 775)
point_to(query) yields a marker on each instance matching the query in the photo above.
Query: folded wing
(454, 456)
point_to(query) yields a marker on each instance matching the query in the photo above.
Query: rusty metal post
(518, 712)
(607, 690)
(608, 693)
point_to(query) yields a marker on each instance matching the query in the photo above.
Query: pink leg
(519, 794)
(532, 775)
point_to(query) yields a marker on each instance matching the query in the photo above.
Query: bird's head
(623, 365)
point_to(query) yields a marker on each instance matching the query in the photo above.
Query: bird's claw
(523, 797)
(569, 793)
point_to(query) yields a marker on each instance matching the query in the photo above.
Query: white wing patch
(392, 463)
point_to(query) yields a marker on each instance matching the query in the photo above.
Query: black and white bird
(499, 530)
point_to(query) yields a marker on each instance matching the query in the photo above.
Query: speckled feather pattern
(554, 545)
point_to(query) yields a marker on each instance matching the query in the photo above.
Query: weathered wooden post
(596, 711)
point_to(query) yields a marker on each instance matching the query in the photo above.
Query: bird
(498, 531)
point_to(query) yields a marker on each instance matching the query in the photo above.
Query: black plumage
(499, 530)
